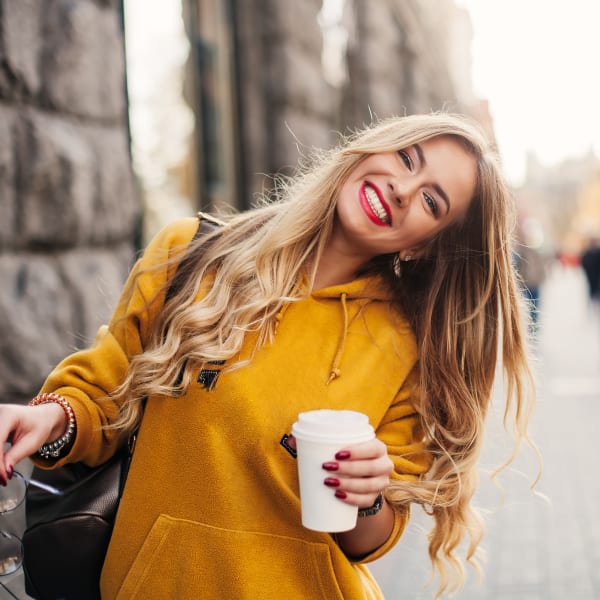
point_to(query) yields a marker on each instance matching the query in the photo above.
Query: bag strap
(207, 224)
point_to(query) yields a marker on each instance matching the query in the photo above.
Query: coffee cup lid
(326, 425)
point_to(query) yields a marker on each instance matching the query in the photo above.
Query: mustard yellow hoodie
(211, 508)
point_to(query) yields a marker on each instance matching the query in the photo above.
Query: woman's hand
(359, 473)
(27, 428)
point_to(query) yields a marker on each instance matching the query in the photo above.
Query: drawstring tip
(335, 373)
(278, 318)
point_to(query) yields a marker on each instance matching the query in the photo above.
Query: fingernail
(9, 471)
(339, 494)
(332, 481)
(343, 455)
(3, 481)
(331, 466)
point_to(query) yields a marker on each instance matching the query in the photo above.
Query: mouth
(374, 205)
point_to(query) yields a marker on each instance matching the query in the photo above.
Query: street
(545, 545)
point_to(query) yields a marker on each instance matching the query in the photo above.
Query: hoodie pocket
(188, 560)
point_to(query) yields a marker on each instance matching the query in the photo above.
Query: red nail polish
(339, 494)
(343, 455)
(9, 471)
(331, 466)
(331, 481)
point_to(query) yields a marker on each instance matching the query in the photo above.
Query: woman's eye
(406, 159)
(431, 203)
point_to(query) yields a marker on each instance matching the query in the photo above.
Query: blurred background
(117, 116)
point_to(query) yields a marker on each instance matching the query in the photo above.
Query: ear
(412, 253)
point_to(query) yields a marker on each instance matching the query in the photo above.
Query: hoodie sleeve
(401, 431)
(87, 377)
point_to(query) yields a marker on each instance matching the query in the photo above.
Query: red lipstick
(375, 207)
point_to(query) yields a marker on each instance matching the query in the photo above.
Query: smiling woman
(398, 201)
(308, 302)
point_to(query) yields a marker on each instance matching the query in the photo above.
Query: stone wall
(68, 202)
(402, 57)
(285, 103)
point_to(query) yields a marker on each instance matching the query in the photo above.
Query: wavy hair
(462, 298)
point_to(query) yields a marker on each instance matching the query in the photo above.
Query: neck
(335, 270)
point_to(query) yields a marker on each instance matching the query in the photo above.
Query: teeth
(375, 204)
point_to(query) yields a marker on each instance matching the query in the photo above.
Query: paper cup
(320, 434)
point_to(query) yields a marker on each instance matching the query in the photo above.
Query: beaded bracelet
(372, 510)
(55, 448)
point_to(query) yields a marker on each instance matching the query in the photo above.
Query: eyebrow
(435, 186)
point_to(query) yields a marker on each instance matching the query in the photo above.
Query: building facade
(264, 93)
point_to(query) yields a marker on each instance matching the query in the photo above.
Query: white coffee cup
(320, 434)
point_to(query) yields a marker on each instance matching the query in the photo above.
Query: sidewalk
(535, 549)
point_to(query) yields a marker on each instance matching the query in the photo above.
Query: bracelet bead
(54, 449)
(372, 510)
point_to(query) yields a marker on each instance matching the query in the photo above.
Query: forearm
(369, 534)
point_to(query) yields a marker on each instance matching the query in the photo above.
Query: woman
(380, 281)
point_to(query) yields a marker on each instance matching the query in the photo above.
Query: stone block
(297, 134)
(294, 22)
(386, 99)
(382, 47)
(83, 60)
(117, 205)
(296, 79)
(35, 323)
(22, 38)
(58, 181)
(7, 177)
(77, 183)
(94, 278)
(51, 306)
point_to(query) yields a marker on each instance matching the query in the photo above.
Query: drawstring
(279, 316)
(335, 371)
(335, 366)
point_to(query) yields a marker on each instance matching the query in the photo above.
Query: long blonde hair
(462, 299)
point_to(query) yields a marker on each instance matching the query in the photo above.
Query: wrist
(374, 508)
(62, 433)
(54, 413)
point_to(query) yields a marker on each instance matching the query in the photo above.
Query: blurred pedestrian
(531, 263)
(590, 263)
(381, 281)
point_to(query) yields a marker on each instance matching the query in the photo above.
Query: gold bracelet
(55, 448)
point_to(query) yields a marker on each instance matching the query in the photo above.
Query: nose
(403, 190)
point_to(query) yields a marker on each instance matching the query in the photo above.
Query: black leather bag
(67, 536)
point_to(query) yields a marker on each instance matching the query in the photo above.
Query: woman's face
(397, 201)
